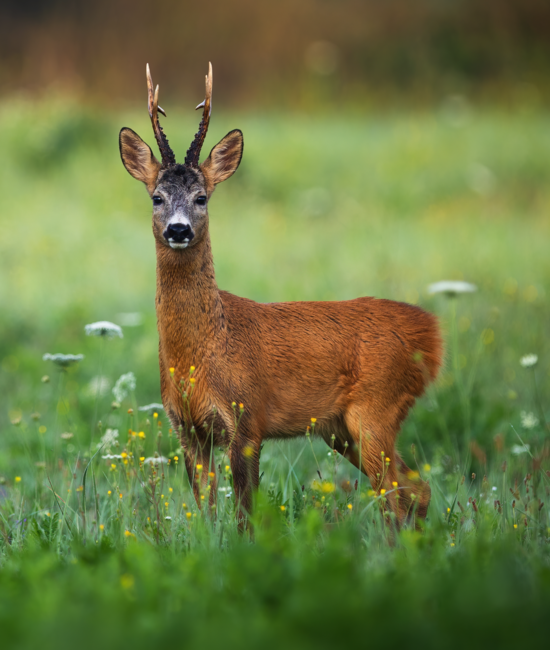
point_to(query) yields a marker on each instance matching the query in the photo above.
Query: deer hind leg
(374, 433)
(414, 493)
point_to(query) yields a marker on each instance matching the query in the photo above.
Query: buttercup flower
(103, 328)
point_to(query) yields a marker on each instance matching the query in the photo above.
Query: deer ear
(138, 159)
(224, 158)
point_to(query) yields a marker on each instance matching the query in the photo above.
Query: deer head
(180, 192)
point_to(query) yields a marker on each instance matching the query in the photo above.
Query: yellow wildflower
(176, 458)
(141, 459)
(120, 496)
(192, 369)
(172, 371)
(155, 415)
(394, 484)
(101, 527)
(170, 490)
(188, 515)
(199, 468)
(387, 460)
(211, 475)
(166, 504)
(109, 492)
(192, 381)
(127, 533)
(313, 420)
(18, 479)
(141, 435)
(427, 467)
(350, 507)
(382, 491)
(283, 508)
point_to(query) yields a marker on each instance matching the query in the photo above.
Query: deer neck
(189, 308)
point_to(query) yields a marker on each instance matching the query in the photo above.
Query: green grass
(323, 207)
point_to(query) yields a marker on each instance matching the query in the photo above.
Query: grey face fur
(180, 207)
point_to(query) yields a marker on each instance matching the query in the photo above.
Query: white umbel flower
(528, 420)
(109, 438)
(155, 460)
(529, 360)
(149, 408)
(103, 328)
(124, 385)
(63, 360)
(517, 450)
(451, 288)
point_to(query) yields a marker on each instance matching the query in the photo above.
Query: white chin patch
(178, 245)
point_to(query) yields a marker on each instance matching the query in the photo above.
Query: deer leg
(414, 493)
(244, 458)
(372, 445)
(201, 470)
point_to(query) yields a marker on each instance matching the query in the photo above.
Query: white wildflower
(168, 518)
(528, 420)
(67, 435)
(151, 407)
(451, 288)
(109, 438)
(124, 385)
(112, 456)
(98, 386)
(155, 460)
(529, 360)
(494, 489)
(63, 360)
(103, 328)
(517, 450)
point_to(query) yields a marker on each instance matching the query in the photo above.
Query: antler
(194, 151)
(166, 152)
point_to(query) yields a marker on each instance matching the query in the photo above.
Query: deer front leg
(244, 458)
(201, 470)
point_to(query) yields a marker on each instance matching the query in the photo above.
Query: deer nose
(179, 232)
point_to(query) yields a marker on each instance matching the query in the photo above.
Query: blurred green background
(387, 146)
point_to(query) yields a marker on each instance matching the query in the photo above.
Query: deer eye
(201, 200)
(158, 200)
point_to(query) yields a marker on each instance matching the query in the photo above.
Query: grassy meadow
(105, 545)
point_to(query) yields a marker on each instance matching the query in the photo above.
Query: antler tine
(193, 153)
(166, 152)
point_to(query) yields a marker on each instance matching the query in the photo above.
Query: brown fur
(357, 366)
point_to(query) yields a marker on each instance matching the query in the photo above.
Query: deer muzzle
(179, 235)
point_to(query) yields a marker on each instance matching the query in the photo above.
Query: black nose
(178, 232)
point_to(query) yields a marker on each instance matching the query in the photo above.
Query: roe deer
(356, 366)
